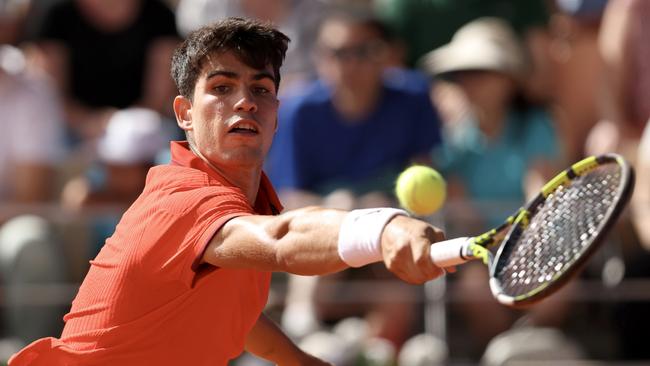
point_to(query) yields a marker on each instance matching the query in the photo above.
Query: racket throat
(476, 251)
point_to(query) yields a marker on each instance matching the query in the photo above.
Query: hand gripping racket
(547, 241)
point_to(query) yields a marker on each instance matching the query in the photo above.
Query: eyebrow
(233, 75)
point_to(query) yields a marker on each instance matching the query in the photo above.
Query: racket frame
(524, 215)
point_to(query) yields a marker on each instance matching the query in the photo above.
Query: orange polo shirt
(145, 299)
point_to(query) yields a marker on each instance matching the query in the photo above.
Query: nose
(245, 102)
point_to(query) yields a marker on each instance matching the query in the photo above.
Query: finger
(409, 277)
(434, 235)
(428, 268)
(423, 260)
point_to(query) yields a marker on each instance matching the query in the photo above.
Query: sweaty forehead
(231, 62)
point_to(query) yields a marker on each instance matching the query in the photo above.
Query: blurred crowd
(497, 95)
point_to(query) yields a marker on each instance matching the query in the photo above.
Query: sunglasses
(370, 51)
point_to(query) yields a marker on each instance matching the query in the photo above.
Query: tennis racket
(547, 241)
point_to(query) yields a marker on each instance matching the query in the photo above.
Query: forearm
(310, 244)
(267, 341)
(315, 241)
(303, 242)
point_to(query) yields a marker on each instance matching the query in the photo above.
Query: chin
(245, 159)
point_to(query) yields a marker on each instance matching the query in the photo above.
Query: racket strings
(559, 232)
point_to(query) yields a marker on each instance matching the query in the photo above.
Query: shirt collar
(267, 200)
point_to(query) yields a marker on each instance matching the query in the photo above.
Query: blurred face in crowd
(233, 115)
(112, 15)
(350, 56)
(486, 88)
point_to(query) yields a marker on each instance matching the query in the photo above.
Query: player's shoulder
(171, 175)
(178, 189)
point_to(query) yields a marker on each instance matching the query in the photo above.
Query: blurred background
(497, 95)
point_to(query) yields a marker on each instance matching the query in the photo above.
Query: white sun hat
(486, 43)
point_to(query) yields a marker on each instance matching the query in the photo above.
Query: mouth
(244, 126)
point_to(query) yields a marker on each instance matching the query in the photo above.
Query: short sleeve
(182, 226)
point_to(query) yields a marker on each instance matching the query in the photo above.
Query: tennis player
(185, 277)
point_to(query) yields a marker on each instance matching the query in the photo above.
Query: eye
(221, 89)
(260, 90)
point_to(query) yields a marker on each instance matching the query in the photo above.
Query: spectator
(31, 144)
(625, 108)
(342, 144)
(500, 152)
(624, 128)
(133, 139)
(106, 56)
(14, 17)
(31, 149)
(630, 320)
(577, 71)
(428, 24)
(486, 62)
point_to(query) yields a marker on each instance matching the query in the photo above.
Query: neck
(248, 180)
(491, 120)
(355, 106)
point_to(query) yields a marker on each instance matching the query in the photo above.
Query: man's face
(233, 116)
(350, 56)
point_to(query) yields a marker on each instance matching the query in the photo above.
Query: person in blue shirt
(319, 150)
(341, 143)
(356, 127)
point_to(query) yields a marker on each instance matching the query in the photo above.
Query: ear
(183, 112)
(276, 119)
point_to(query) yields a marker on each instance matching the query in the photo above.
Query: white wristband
(360, 235)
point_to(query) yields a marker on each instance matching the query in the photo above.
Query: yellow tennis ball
(421, 190)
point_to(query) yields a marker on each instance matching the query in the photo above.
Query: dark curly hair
(255, 43)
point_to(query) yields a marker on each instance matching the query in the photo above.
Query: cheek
(268, 110)
(211, 108)
(207, 118)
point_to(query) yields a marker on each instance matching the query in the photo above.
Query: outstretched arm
(306, 242)
(267, 341)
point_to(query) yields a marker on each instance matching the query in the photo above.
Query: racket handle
(450, 252)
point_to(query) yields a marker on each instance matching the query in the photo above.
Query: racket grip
(450, 252)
